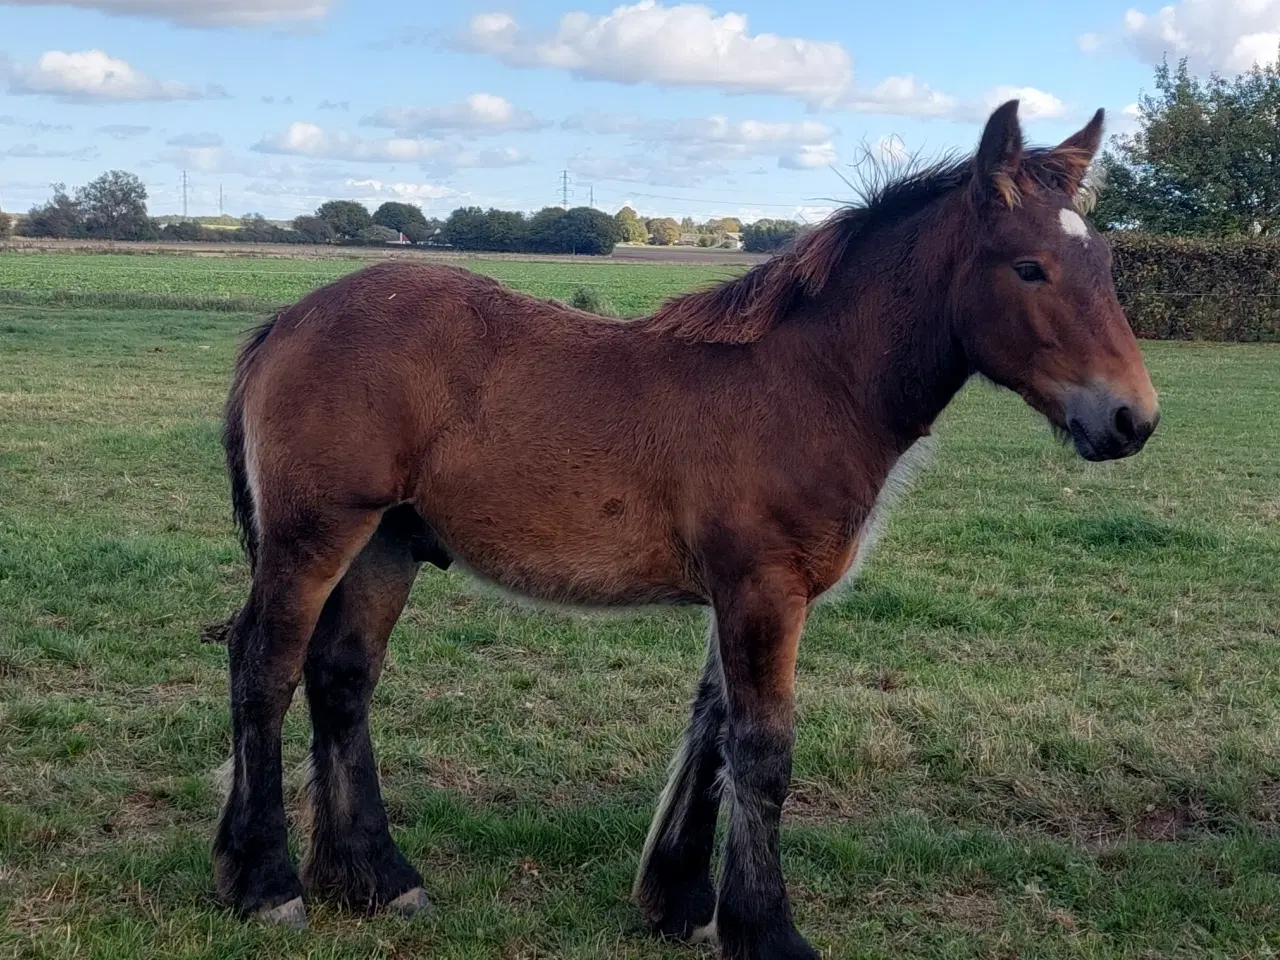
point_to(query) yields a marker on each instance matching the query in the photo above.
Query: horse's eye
(1030, 271)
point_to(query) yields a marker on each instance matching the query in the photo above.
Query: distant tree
(1205, 158)
(6, 225)
(632, 227)
(401, 217)
(254, 228)
(114, 206)
(766, 236)
(61, 216)
(546, 231)
(466, 229)
(346, 218)
(663, 232)
(312, 229)
(590, 231)
(730, 225)
(506, 230)
(688, 225)
(470, 228)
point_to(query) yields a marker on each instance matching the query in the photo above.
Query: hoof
(413, 903)
(292, 914)
(707, 934)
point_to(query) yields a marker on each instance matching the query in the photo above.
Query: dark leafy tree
(1205, 159)
(61, 216)
(401, 217)
(114, 206)
(346, 218)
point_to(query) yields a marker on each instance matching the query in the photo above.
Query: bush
(1179, 288)
(6, 225)
(592, 300)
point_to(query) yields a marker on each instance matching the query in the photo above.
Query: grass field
(1046, 722)
(161, 281)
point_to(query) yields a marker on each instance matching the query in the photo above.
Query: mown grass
(89, 279)
(1044, 723)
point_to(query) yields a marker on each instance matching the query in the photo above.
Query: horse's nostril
(1125, 425)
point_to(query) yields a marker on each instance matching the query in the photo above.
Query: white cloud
(890, 150)
(309, 140)
(415, 193)
(686, 45)
(1224, 35)
(200, 13)
(91, 76)
(1033, 104)
(899, 96)
(809, 157)
(480, 113)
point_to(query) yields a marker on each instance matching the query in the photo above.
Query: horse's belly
(602, 551)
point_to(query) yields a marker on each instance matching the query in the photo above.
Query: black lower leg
(251, 858)
(753, 919)
(673, 885)
(351, 856)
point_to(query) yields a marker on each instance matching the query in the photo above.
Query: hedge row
(1179, 288)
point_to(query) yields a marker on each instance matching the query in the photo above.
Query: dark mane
(744, 309)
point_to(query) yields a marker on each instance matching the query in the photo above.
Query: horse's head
(1037, 306)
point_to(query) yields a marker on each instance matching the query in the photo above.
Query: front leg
(673, 885)
(760, 618)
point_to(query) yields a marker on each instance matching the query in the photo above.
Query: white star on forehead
(1073, 224)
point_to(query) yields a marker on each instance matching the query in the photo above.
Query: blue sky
(733, 107)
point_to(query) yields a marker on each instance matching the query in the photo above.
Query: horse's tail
(233, 442)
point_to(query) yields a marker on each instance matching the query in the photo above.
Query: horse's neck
(892, 339)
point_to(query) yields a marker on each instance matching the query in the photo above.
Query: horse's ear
(1077, 151)
(998, 158)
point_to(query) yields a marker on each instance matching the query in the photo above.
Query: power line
(184, 194)
(565, 192)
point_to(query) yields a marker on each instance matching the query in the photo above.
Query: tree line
(114, 207)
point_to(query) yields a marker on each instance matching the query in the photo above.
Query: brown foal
(727, 451)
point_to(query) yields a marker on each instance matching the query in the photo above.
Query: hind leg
(673, 885)
(352, 857)
(299, 564)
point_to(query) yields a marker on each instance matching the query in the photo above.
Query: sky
(738, 108)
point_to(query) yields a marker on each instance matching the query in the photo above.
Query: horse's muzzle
(1106, 427)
